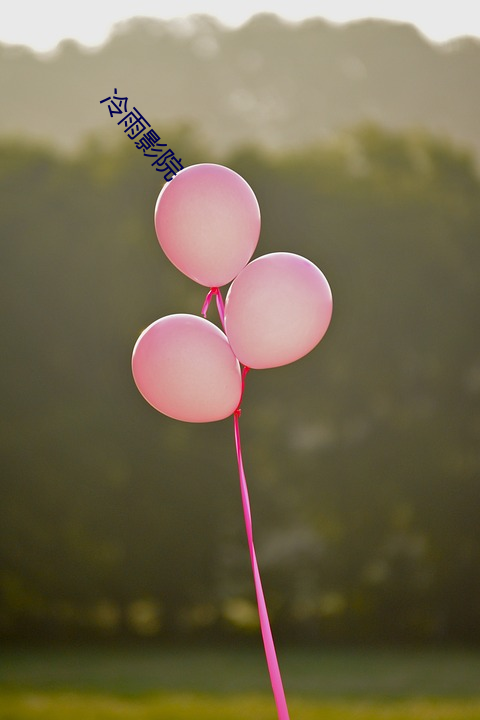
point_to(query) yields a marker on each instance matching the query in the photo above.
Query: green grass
(232, 684)
(75, 706)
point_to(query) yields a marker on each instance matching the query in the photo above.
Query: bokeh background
(361, 142)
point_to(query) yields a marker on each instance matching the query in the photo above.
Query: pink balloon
(207, 220)
(277, 309)
(184, 367)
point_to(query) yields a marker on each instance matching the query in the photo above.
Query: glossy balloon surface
(207, 221)
(184, 367)
(277, 310)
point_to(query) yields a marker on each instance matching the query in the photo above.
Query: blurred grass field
(232, 684)
(74, 706)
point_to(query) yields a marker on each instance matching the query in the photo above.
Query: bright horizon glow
(42, 25)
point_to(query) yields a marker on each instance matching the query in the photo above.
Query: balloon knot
(238, 412)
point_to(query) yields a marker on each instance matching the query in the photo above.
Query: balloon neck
(215, 291)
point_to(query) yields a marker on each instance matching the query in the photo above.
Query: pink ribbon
(272, 662)
(220, 306)
(268, 644)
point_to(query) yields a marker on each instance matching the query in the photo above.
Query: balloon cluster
(277, 309)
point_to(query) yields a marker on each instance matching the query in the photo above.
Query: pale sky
(41, 24)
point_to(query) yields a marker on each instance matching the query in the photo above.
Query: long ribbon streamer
(272, 662)
(268, 644)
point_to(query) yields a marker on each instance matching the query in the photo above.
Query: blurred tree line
(363, 458)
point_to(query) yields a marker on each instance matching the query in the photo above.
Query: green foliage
(268, 82)
(362, 458)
